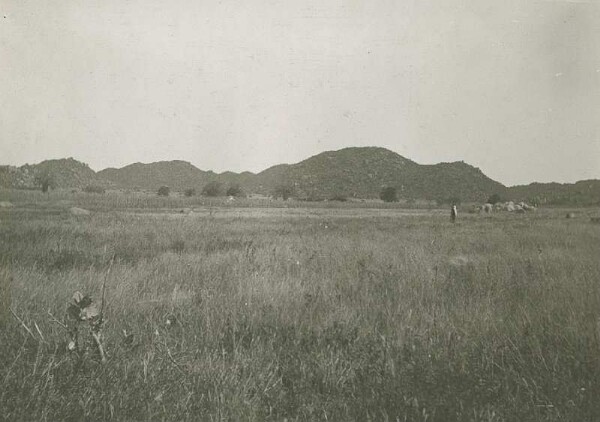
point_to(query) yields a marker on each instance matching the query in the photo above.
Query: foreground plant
(83, 309)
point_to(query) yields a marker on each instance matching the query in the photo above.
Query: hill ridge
(359, 172)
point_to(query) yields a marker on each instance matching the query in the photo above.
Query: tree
(213, 188)
(495, 198)
(94, 189)
(164, 191)
(388, 194)
(189, 192)
(452, 200)
(45, 180)
(283, 191)
(235, 190)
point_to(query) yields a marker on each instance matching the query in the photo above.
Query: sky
(511, 87)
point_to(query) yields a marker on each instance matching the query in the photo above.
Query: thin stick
(104, 287)
(96, 336)
(57, 321)
(23, 324)
(39, 331)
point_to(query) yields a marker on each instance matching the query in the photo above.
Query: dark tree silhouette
(235, 190)
(388, 194)
(164, 191)
(283, 191)
(213, 188)
(45, 180)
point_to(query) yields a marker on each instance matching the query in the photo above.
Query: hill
(64, 172)
(350, 172)
(363, 172)
(582, 193)
(176, 174)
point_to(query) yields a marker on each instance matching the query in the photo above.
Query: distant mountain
(584, 192)
(349, 172)
(178, 175)
(363, 172)
(64, 172)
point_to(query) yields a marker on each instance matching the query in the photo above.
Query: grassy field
(303, 314)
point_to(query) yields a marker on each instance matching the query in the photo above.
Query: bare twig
(23, 324)
(97, 340)
(104, 287)
(56, 321)
(39, 331)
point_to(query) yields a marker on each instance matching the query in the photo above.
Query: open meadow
(258, 312)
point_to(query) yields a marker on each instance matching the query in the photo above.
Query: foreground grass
(321, 318)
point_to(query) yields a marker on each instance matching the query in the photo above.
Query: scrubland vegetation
(344, 314)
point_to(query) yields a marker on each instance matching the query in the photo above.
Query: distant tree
(452, 200)
(164, 191)
(94, 189)
(388, 194)
(495, 198)
(45, 180)
(213, 188)
(235, 190)
(283, 191)
(189, 192)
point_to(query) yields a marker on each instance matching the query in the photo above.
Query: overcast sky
(512, 87)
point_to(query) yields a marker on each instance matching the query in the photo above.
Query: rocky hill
(582, 193)
(364, 172)
(178, 175)
(350, 172)
(64, 173)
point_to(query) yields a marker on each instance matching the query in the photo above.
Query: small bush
(189, 192)
(453, 200)
(94, 189)
(45, 180)
(164, 191)
(235, 190)
(388, 194)
(178, 246)
(495, 198)
(213, 188)
(283, 191)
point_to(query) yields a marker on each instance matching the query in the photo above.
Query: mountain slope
(176, 174)
(64, 172)
(352, 172)
(584, 192)
(363, 172)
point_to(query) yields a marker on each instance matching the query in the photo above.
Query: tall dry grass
(326, 317)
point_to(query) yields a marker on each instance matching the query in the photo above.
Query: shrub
(94, 189)
(283, 191)
(495, 198)
(235, 190)
(45, 180)
(189, 192)
(178, 246)
(453, 200)
(164, 191)
(213, 188)
(388, 194)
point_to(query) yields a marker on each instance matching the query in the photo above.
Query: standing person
(453, 213)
